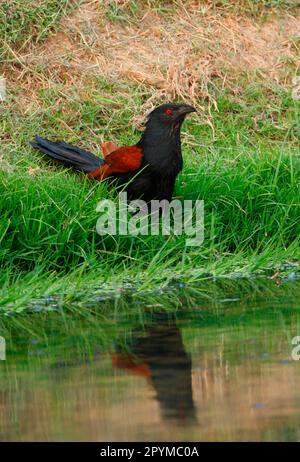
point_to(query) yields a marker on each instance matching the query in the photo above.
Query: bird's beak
(183, 110)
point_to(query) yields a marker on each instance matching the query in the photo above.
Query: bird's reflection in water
(159, 355)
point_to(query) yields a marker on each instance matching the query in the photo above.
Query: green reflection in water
(207, 363)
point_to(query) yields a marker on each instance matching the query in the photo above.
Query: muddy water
(218, 370)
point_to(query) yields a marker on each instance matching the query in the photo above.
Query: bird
(159, 356)
(146, 170)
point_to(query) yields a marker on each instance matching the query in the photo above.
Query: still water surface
(215, 369)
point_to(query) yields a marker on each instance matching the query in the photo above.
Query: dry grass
(179, 53)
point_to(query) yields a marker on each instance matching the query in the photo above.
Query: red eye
(168, 111)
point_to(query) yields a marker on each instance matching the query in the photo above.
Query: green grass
(23, 23)
(248, 178)
(241, 158)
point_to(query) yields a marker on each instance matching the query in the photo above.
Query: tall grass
(250, 203)
(252, 208)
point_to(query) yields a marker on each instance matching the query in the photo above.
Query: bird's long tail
(67, 154)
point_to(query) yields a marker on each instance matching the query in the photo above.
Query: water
(215, 366)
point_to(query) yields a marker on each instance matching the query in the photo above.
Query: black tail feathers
(69, 155)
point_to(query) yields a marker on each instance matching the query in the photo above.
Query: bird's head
(161, 139)
(170, 114)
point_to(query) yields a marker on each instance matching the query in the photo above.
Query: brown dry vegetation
(179, 53)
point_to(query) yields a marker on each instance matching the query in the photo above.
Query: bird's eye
(168, 111)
